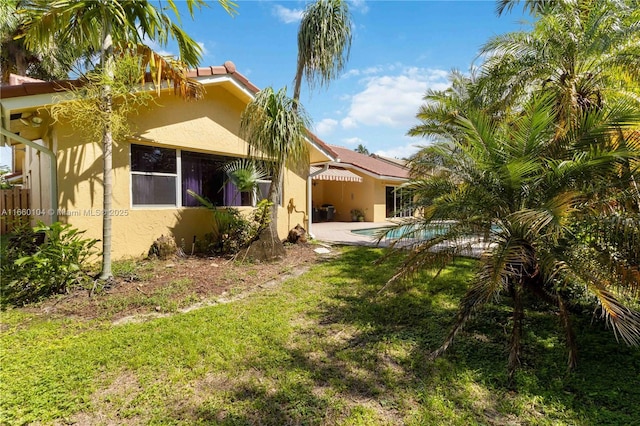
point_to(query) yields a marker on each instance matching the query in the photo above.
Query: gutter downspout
(310, 199)
(54, 167)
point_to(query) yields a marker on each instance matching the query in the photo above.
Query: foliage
(275, 132)
(324, 43)
(231, 231)
(50, 63)
(274, 126)
(262, 214)
(106, 29)
(361, 149)
(537, 152)
(358, 214)
(510, 180)
(4, 170)
(322, 348)
(83, 107)
(583, 52)
(32, 269)
(245, 174)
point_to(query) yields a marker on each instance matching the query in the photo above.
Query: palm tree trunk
(297, 84)
(515, 345)
(570, 336)
(107, 147)
(268, 246)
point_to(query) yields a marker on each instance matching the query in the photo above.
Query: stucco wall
(368, 196)
(345, 196)
(209, 126)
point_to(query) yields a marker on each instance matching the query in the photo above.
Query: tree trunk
(107, 147)
(569, 335)
(268, 247)
(297, 84)
(515, 345)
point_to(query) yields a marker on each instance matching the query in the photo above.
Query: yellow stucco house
(177, 145)
(353, 182)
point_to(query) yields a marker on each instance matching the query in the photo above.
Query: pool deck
(340, 233)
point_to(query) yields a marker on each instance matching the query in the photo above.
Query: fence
(14, 209)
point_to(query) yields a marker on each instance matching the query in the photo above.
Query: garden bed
(151, 287)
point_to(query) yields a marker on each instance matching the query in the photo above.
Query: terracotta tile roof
(370, 164)
(35, 88)
(38, 88)
(328, 148)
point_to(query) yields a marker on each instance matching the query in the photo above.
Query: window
(398, 202)
(202, 174)
(153, 175)
(162, 176)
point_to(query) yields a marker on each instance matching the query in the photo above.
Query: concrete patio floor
(340, 233)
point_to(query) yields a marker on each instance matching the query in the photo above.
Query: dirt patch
(151, 288)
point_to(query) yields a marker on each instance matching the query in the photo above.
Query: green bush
(34, 268)
(231, 232)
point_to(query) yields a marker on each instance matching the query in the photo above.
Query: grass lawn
(323, 348)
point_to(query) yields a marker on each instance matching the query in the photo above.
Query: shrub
(231, 231)
(34, 268)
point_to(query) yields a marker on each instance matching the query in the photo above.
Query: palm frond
(324, 42)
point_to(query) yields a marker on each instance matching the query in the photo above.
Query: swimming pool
(408, 231)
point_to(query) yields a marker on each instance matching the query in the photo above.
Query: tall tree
(361, 149)
(51, 63)
(585, 52)
(108, 27)
(508, 181)
(274, 127)
(324, 43)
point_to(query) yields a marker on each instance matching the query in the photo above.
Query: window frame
(178, 175)
(178, 185)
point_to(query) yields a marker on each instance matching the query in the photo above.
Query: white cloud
(351, 73)
(405, 151)
(365, 72)
(359, 5)
(393, 100)
(286, 15)
(348, 123)
(325, 126)
(204, 49)
(353, 141)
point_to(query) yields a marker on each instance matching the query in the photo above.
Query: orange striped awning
(335, 174)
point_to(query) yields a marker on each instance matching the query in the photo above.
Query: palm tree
(274, 126)
(324, 43)
(531, 6)
(361, 149)
(508, 181)
(585, 52)
(438, 119)
(108, 26)
(51, 63)
(245, 174)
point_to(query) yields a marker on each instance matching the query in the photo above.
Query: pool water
(425, 233)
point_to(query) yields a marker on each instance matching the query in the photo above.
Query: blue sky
(400, 49)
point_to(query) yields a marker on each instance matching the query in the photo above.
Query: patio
(340, 232)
